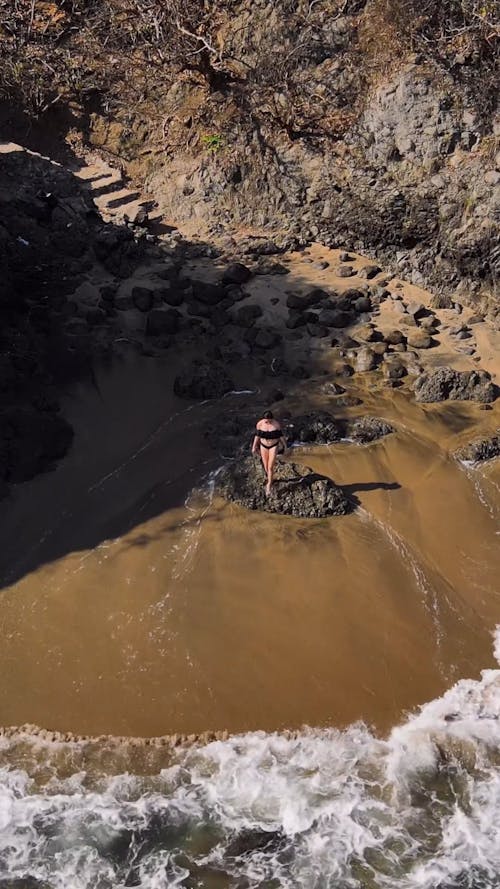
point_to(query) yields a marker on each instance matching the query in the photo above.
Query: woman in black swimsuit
(269, 439)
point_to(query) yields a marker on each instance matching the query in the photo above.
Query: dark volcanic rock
(210, 294)
(455, 385)
(236, 273)
(366, 429)
(335, 318)
(203, 381)
(481, 449)
(297, 490)
(172, 295)
(317, 428)
(246, 316)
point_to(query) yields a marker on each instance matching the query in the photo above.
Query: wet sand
(139, 606)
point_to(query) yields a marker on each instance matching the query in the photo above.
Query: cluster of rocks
(297, 490)
(321, 427)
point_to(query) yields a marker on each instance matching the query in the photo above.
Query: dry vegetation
(305, 75)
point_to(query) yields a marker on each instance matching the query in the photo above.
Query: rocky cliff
(369, 124)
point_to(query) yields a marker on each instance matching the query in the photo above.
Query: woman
(268, 438)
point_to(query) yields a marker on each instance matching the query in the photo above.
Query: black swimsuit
(270, 434)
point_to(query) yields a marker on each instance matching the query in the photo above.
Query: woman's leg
(270, 468)
(264, 456)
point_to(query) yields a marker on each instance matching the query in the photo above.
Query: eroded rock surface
(481, 449)
(297, 490)
(315, 428)
(363, 430)
(455, 385)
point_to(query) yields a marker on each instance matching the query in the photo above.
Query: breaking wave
(317, 809)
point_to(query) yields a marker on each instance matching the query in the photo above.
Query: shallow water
(152, 606)
(137, 603)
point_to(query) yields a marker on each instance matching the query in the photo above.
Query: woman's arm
(255, 445)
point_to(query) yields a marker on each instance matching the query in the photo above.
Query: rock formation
(444, 384)
(297, 490)
(480, 450)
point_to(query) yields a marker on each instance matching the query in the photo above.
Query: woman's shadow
(353, 489)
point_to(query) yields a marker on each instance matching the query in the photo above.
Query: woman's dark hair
(267, 415)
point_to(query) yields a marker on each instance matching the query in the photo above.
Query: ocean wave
(316, 809)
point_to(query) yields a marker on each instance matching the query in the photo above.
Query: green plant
(213, 142)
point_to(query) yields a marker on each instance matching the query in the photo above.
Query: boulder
(441, 301)
(479, 450)
(314, 428)
(162, 320)
(207, 293)
(334, 318)
(297, 490)
(203, 380)
(394, 337)
(369, 271)
(297, 319)
(366, 360)
(417, 310)
(366, 429)
(344, 271)
(454, 385)
(419, 339)
(367, 333)
(362, 304)
(236, 273)
(394, 370)
(172, 294)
